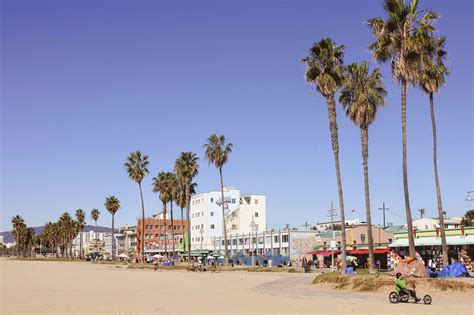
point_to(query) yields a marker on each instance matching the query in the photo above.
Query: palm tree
(18, 224)
(186, 168)
(181, 199)
(80, 217)
(396, 41)
(137, 169)
(217, 153)
(361, 95)
(161, 185)
(324, 69)
(173, 187)
(432, 77)
(112, 204)
(65, 227)
(95, 213)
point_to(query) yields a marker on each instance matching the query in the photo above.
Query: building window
(256, 201)
(212, 213)
(146, 227)
(202, 226)
(362, 238)
(426, 227)
(212, 199)
(284, 238)
(389, 240)
(156, 235)
(212, 226)
(276, 239)
(256, 214)
(233, 200)
(156, 227)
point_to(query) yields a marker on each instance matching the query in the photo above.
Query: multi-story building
(127, 241)
(155, 231)
(240, 212)
(90, 242)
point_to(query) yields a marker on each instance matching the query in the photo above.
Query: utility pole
(384, 209)
(332, 213)
(422, 213)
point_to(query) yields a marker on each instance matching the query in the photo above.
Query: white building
(323, 226)
(88, 241)
(428, 223)
(206, 215)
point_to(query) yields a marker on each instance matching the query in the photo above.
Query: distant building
(1, 239)
(326, 225)
(91, 242)
(127, 240)
(155, 235)
(240, 211)
(428, 223)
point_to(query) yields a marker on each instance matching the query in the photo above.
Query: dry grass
(374, 282)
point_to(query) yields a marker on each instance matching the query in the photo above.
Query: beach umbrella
(158, 256)
(123, 255)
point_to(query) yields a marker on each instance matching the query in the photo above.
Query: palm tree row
(24, 236)
(406, 39)
(178, 187)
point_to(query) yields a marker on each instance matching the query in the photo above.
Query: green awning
(435, 241)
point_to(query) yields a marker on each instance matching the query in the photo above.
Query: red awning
(366, 251)
(323, 252)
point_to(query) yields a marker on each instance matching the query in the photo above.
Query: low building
(90, 242)
(327, 225)
(428, 243)
(155, 231)
(427, 223)
(127, 241)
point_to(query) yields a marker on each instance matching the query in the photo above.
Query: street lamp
(469, 196)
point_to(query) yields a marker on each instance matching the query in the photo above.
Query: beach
(34, 287)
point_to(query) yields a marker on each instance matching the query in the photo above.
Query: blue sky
(86, 82)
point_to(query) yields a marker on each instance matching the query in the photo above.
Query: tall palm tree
(217, 153)
(95, 213)
(173, 187)
(186, 168)
(181, 199)
(432, 77)
(324, 69)
(137, 168)
(361, 95)
(65, 228)
(112, 204)
(18, 224)
(161, 186)
(396, 41)
(81, 220)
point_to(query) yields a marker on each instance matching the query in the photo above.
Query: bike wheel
(393, 297)
(404, 298)
(427, 299)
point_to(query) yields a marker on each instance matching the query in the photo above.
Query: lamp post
(469, 196)
(253, 226)
(332, 213)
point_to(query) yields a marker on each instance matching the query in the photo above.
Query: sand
(34, 287)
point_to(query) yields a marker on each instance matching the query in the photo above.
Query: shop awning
(366, 251)
(435, 241)
(323, 252)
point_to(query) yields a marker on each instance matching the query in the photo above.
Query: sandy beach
(29, 287)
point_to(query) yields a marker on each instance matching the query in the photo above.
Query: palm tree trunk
(172, 228)
(166, 229)
(113, 249)
(182, 222)
(411, 240)
(444, 248)
(331, 104)
(95, 242)
(80, 243)
(188, 211)
(143, 225)
(226, 262)
(364, 135)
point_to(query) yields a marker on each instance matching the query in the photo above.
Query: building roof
(433, 241)
(395, 228)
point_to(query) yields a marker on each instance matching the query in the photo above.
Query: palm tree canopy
(362, 93)
(137, 166)
(181, 196)
(434, 69)
(397, 37)
(80, 217)
(162, 184)
(217, 151)
(186, 166)
(112, 204)
(17, 221)
(324, 66)
(95, 213)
